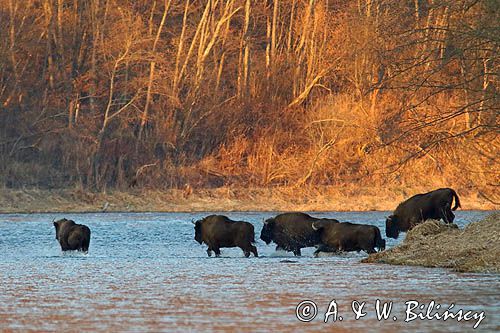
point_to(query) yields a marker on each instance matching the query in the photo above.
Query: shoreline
(217, 200)
(473, 249)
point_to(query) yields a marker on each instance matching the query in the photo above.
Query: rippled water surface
(145, 272)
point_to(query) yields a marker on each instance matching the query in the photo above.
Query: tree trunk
(180, 49)
(152, 65)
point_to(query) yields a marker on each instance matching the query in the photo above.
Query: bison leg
(297, 252)
(254, 251)
(321, 248)
(449, 216)
(250, 249)
(371, 250)
(217, 252)
(443, 214)
(81, 248)
(381, 245)
(209, 252)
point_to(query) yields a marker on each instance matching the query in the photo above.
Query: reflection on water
(145, 272)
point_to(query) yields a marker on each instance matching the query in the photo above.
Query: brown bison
(72, 236)
(218, 231)
(432, 205)
(292, 231)
(346, 236)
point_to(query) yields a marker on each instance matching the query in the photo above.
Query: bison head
(62, 224)
(391, 227)
(267, 231)
(323, 223)
(197, 231)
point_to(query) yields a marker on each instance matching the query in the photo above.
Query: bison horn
(192, 221)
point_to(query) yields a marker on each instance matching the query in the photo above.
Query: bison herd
(293, 231)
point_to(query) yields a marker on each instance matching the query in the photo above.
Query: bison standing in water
(348, 236)
(72, 236)
(292, 231)
(218, 231)
(432, 205)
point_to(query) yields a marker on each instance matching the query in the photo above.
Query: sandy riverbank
(221, 199)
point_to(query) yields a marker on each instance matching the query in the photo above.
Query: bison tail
(457, 201)
(86, 241)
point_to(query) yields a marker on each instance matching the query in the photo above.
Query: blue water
(145, 272)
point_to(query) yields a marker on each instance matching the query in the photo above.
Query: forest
(168, 94)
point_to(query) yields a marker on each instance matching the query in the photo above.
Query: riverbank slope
(219, 199)
(476, 248)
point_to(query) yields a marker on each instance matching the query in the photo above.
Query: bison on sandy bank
(432, 205)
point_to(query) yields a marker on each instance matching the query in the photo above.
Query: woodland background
(122, 94)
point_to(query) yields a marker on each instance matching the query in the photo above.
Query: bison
(72, 236)
(292, 231)
(432, 205)
(218, 231)
(346, 236)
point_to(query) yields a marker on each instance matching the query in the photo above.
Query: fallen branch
(302, 97)
(139, 171)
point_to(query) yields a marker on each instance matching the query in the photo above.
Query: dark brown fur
(72, 236)
(432, 205)
(218, 231)
(348, 236)
(292, 231)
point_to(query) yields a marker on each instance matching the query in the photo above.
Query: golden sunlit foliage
(120, 93)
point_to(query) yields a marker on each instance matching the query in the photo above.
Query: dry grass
(327, 198)
(433, 244)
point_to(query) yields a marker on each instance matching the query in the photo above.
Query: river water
(145, 272)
